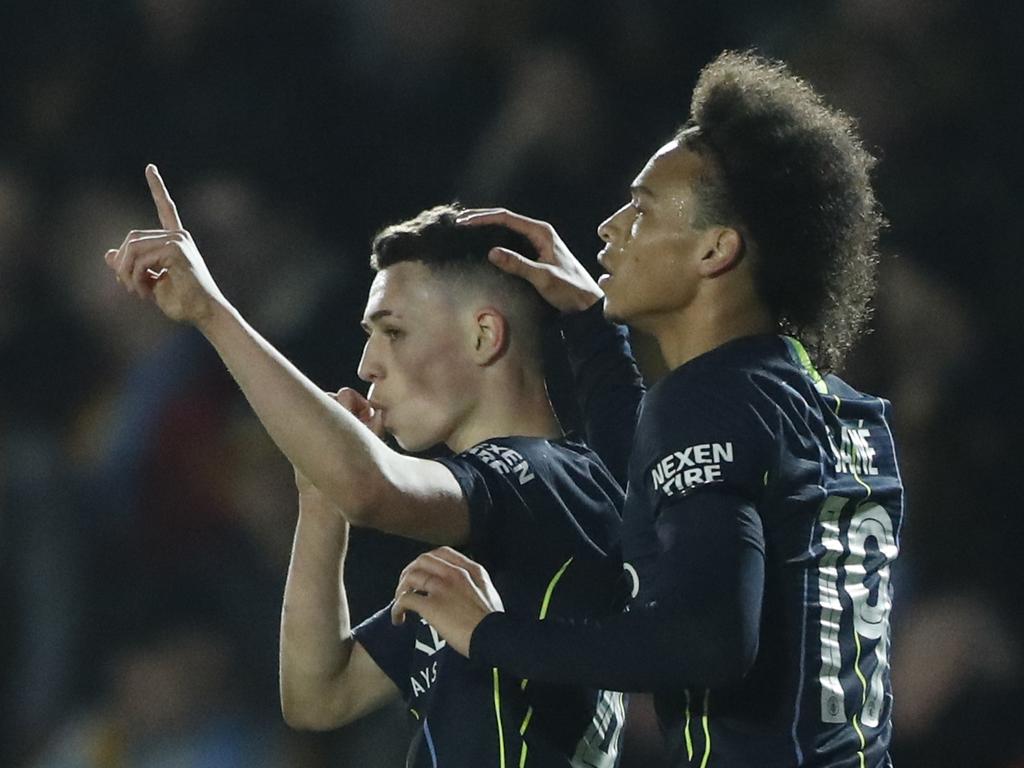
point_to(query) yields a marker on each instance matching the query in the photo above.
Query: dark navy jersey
(762, 515)
(544, 516)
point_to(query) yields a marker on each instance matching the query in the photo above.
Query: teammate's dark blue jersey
(543, 517)
(762, 514)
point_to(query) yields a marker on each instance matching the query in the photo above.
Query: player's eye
(393, 334)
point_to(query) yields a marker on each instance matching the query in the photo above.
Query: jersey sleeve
(608, 384)
(507, 485)
(483, 477)
(696, 480)
(703, 430)
(390, 647)
(701, 630)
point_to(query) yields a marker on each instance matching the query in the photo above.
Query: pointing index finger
(165, 207)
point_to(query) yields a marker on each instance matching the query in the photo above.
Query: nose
(611, 227)
(370, 369)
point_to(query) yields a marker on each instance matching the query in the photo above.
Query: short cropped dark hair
(791, 173)
(460, 253)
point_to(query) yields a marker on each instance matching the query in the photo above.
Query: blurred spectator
(145, 518)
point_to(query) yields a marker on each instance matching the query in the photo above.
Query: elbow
(313, 704)
(300, 719)
(304, 714)
(730, 660)
(362, 506)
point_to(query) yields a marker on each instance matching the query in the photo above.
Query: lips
(602, 259)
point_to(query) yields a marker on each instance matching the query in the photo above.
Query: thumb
(515, 264)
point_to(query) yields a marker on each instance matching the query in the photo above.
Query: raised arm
(375, 485)
(327, 678)
(608, 383)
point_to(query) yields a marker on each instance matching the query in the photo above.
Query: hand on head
(165, 264)
(450, 591)
(557, 276)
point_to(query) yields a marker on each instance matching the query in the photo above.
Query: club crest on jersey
(504, 460)
(682, 470)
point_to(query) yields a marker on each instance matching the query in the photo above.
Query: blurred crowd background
(146, 519)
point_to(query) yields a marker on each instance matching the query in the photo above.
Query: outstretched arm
(701, 630)
(327, 678)
(608, 383)
(375, 485)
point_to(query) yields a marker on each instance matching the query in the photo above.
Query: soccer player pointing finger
(453, 358)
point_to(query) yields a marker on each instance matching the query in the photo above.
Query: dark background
(145, 518)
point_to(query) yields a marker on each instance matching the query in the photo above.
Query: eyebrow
(641, 190)
(378, 315)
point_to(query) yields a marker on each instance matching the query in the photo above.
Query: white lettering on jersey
(420, 682)
(680, 471)
(855, 456)
(504, 461)
(433, 647)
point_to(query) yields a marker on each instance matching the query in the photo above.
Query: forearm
(608, 385)
(338, 454)
(701, 630)
(641, 651)
(316, 641)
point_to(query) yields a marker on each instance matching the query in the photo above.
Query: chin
(415, 443)
(613, 313)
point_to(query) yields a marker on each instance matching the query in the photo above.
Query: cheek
(427, 383)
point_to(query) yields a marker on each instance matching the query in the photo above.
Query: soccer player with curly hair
(764, 502)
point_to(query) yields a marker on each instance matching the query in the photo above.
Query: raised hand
(558, 277)
(450, 591)
(165, 264)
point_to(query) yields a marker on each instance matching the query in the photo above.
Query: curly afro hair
(792, 175)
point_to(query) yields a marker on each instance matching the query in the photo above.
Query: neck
(514, 402)
(707, 325)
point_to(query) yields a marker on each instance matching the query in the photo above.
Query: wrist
(481, 642)
(318, 513)
(216, 316)
(583, 300)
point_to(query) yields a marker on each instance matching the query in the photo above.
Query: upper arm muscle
(421, 500)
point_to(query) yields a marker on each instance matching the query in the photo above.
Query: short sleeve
(501, 485)
(390, 647)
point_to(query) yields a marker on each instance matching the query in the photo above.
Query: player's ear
(723, 251)
(489, 336)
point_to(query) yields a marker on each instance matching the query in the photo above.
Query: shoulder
(714, 419)
(713, 392)
(524, 460)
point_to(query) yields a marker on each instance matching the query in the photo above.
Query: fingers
(534, 272)
(429, 574)
(126, 260)
(351, 400)
(165, 207)
(408, 601)
(425, 570)
(359, 406)
(148, 269)
(540, 234)
(480, 217)
(454, 557)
